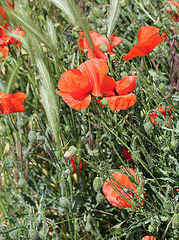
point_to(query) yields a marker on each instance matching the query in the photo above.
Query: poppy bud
(133, 73)
(88, 227)
(123, 3)
(162, 87)
(104, 101)
(85, 51)
(104, 48)
(148, 126)
(67, 129)
(173, 143)
(33, 234)
(1, 55)
(177, 148)
(99, 197)
(22, 182)
(96, 152)
(72, 151)
(151, 228)
(64, 202)
(160, 121)
(166, 149)
(8, 59)
(42, 234)
(175, 221)
(77, 227)
(97, 184)
(32, 136)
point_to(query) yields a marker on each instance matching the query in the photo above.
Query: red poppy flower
(127, 155)
(2, 13)
(148, 238)
(123, 99)
(118, 192)
(154, 115)
(12, 103)
(98, 40)
(73, 163)
(175, 17)
(148, 38)
(4, 50)
(5, 39)
(77, 85)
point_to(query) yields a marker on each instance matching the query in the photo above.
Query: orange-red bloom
(5, 39)
(118, 191)
(175, 17)
(4, 50)
(127, 155)
(148, 238)
(73, 163)
(154, 115)
(148, 38)
(2, 13)
(123, 99)
(98, 40)
(77, 85)
(12, 103)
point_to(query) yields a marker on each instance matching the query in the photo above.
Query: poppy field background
(89, 119)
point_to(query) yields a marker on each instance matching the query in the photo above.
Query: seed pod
(72, 151)
(100, 197)
(97, 184)
(104, 48)
(64, 202)
(22, 182)
(88, 227)
(148, 127)
(32, 136)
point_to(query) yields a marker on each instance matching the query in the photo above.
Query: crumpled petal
(126, 85)
(148, 38)
(78, 102)
(122, 102)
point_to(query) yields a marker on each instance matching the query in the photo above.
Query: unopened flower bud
(88, 227)
(134, 73)
(42, 234)
(64, 202)
(151, 228)
(33, 234)
(173, 7)
(148, 126)
(67, 129)
(8, 59)
(113, 56)
(72, 151)
(100, 197)
(96, 152)
(162, 87)
(175, 221)
(22, 182)
(104, 101)
(32, 136)
(85, 51)
(104, 48)
(77, 227)
(123, 3)
(173, 143)
(97, 184)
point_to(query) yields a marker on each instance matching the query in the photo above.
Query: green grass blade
(113, 15)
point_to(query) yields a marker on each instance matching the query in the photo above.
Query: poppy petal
(90, 71)
(73, 82)
(108, 86)
(4, 50)
(146, 45)
(126, 84)
(122, 102)
(76, 102)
